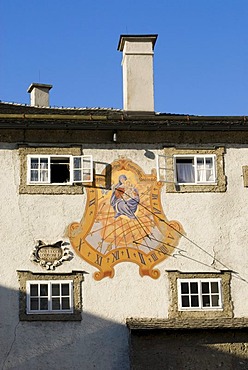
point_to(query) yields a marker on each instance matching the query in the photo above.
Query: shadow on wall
(97, 343)
(189, 350)
(93, 343)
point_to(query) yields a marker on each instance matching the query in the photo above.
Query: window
(162, 170)
(195, 169)
(49, 297)
(59, 169)
(201, 294)
(191, 170)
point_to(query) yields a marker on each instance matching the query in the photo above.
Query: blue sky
(200, 62)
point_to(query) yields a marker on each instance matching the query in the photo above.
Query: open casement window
(82, 168)
(162, 168)
(51, 297)
(197, 169)
(59, 169)
(199, 294)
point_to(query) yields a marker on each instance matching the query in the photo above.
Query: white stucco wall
(217, 236)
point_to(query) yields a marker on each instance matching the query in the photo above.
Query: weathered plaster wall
(192, 349)
(216, 230)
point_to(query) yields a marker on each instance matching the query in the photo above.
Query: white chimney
(137, 64)
(39, 95)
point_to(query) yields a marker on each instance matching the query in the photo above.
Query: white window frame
(86, 170)
(194, 157)
(200, 295)
(49, 284)
(161, 168)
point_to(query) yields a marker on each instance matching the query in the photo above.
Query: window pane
(194, 301)
(205, 287)
(34, 163)
(77, 162)
(209, 169)
(87, 163)
(185, 301)
(55, 289)
(86, 175)
(200, 161)
(185, 288)
(60, 170)
(44, 163)
(214, 287)
(215, 300)
(65, 303)
(43, 304)
(206, 301)
(77, 175)
(43, 289)
(55, 304)
(65, 289)
(44, 176)
(34, 290)
(34, 305)
(201, 170)
(185, 172)
(209, 162)
(194, 287)
(34, 175)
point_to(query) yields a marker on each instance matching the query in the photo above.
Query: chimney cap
(136, 38)
(38, 85)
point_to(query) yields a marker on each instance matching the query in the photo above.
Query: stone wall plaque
(50, 256)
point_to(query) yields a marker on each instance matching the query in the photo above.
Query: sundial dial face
(125, 223)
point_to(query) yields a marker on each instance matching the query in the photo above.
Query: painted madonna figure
(125, 198)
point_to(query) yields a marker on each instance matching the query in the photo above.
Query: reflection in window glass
(55, 289)
(65, 289)
(34, 289)
(43, 289)
(34, 303)
(55, 304)
(43, 304)
(199, 293)
(65, 303)
(49, 296)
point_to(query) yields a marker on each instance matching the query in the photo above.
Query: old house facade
(124, 232)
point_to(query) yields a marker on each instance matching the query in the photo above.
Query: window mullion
(195, 169)
(60, 296)
(28, 300)
(71, 295)
(200, 297)
(49, 297)
(39, 297)
(205, 169)
(214, 168)
(220, 294)
(39, 170)
(71, 169)
(49, 169)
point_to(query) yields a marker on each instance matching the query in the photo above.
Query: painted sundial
(125, 223)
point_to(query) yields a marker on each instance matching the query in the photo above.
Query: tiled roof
(24, 108)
